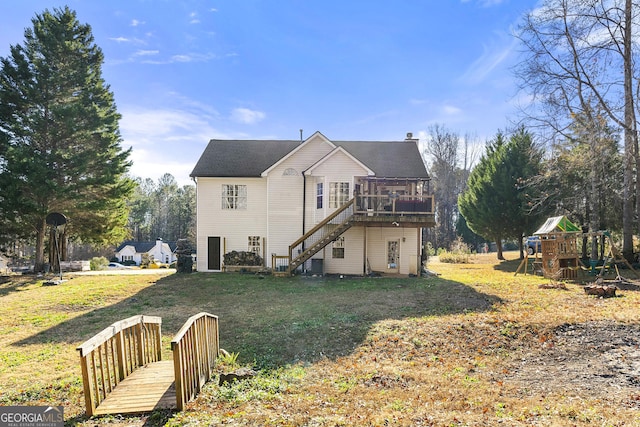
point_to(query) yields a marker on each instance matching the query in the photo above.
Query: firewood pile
(185, 260)
(242, 258)
(602, 291)
(606, 289)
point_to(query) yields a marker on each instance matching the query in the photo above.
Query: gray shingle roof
(388, 159)
(249, 158)
(240, 158)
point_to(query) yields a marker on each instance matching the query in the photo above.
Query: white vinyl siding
(377, 240)
(286, 197)
(353, 261)
(231, 225)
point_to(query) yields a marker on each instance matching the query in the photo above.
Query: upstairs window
(234, 196)
(319, 195)
(338, 194)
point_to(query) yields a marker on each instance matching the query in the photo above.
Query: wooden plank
(146, 389)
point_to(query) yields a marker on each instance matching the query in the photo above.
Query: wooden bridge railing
(195, 351)
(110, 356)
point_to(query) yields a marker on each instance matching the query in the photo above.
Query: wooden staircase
(320, 236)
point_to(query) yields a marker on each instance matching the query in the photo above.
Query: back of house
(314, 206)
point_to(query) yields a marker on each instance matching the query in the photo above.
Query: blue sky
(184, 72)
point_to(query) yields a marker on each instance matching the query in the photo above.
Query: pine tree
(496, 201)
(59, 136)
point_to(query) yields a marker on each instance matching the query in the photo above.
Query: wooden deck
(148, 388)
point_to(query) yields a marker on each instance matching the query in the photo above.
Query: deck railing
(195, 350)
(110, 356)
(390, 204)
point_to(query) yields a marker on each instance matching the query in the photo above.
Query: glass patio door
(393, 256)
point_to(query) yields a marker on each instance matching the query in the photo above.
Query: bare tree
(450, 159)
(578, 53)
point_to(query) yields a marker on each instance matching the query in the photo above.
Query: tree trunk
(499, 248)
(594, 213)
(628, 204)
(41, 230)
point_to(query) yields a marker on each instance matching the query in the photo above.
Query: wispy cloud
(247, 116)
(166, 140)
(146, 53)
(486, 3)
(492, 57)
(193, 18)
(177, 58)
(120, 39)
(135, 22)
(451, 110)
(490, 3)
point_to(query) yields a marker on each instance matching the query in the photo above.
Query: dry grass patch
(475, 346)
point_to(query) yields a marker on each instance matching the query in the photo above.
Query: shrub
(429, 250)
(454, 258)
(98, 263)
(460, 253)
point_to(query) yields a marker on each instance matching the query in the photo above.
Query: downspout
(304, 198)
(304, 204)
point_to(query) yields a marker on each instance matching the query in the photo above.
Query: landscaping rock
(237, 375)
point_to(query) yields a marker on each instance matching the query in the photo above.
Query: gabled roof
(143, 247)
(558, 224)
(333, 153)
(315, 135)
(250, 158)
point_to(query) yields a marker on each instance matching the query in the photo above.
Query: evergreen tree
(59, 136)
(496, 201)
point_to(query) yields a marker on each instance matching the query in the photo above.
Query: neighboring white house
(4, 264)
(158, 250)
(321, 206)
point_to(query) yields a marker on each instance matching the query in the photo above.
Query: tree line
(573, 150)
(517, 182)
(162, 209)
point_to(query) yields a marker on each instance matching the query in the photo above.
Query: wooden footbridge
(123, 371)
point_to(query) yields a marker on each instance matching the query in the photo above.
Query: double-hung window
(254, 245)
(338, 248)
(319, 194)
(234, 196)
(338, 194)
